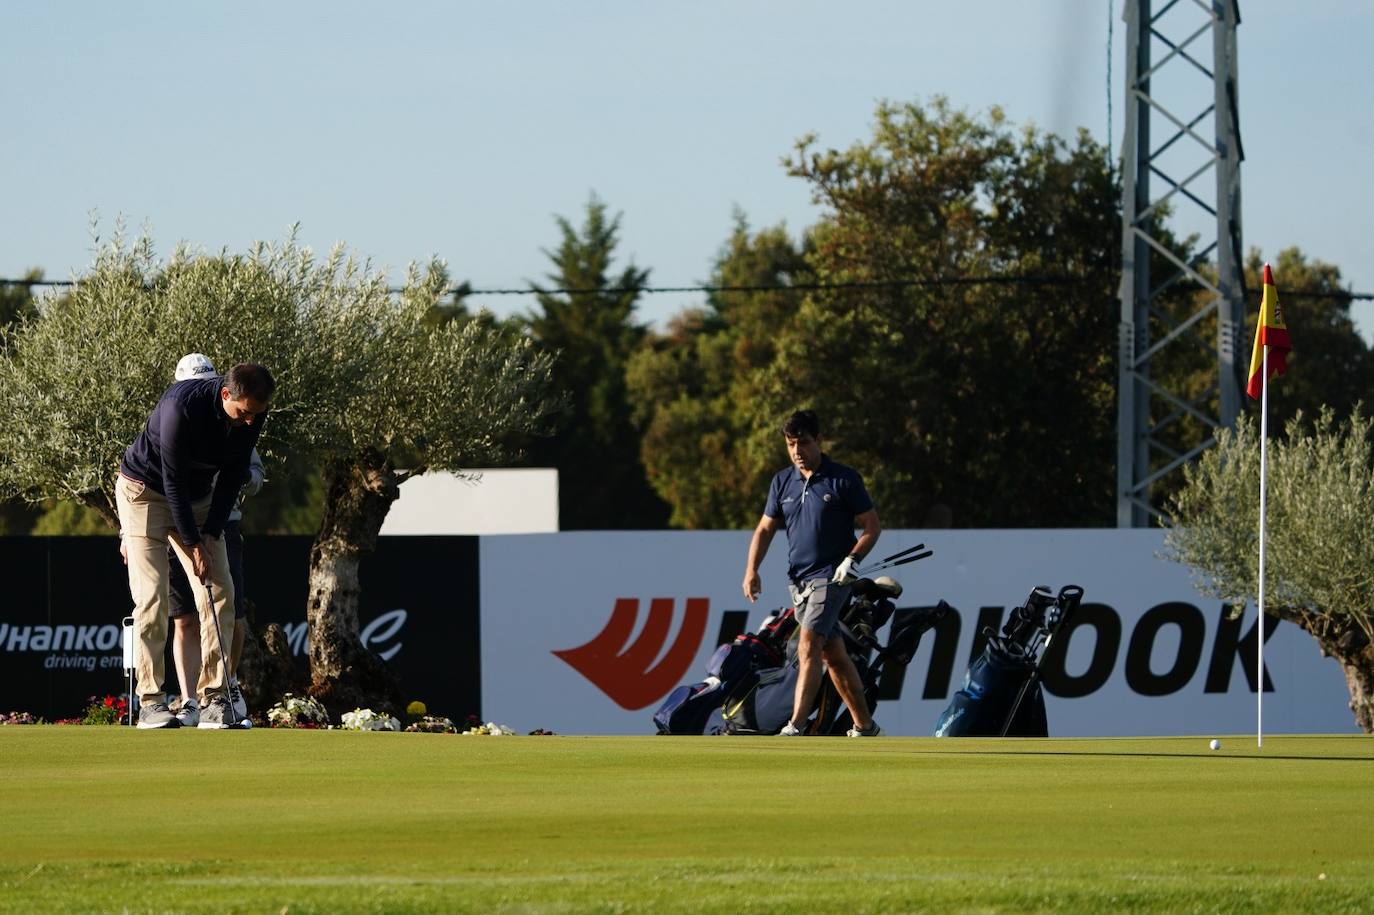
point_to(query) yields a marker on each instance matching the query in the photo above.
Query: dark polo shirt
(187, 440)
(819, 516)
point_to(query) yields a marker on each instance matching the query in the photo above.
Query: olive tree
(1319, 544)
(368, 390)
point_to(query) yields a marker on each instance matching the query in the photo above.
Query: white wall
(547, 593)
(520, 500)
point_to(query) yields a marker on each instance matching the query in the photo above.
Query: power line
(783, 287)
(759, 287)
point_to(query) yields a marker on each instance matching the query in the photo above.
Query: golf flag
(1271, 331)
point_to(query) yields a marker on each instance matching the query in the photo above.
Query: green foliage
(16, 306)
(709, 446)
(78, 382)
(70, 519)
(107, 710)
(16, 301)
(361, 376)
(1320, 497)
(594, 446)
(291, 501)
(967, 365)
(994, 400)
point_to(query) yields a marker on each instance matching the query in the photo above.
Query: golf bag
(762, 704)
(1001, 695)
(695, 708)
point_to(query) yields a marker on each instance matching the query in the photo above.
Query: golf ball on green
(1215, 744)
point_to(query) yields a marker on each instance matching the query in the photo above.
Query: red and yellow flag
(1271, 331)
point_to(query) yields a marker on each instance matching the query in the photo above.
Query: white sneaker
(236, 697)
(789, 731)
(189, 713)
(873, 731)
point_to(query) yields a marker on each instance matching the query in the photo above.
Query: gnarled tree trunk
(267, 669)
(1340, 636)
(344, 675)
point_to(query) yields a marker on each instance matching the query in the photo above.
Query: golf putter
(223, 658)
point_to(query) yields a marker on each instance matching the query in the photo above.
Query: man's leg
(809, 648)
(236, 649)
(847, 682)
(185, 627)
(186, 652)
(140, 514)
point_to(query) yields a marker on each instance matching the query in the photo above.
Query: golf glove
(844, 572)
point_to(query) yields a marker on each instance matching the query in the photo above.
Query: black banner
(64, 598)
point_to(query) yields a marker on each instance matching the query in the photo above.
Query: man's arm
(758, 548)
(232, 478)
(256, 476)
(868, 538)
(844, 570)
(173, 435)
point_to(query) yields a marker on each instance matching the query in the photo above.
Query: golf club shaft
(901, 553)
(223, 658)
(892, 564)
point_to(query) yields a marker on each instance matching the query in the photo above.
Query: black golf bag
(762, 703)
(695, 708)
(1001, 695)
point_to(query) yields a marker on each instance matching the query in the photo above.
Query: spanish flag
(1271, 332)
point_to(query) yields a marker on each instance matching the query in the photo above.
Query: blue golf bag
(1001, 695)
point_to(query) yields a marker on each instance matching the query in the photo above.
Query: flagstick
(1264, 439)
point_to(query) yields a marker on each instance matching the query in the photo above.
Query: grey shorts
(818, 605)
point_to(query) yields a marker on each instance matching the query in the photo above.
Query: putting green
(111, 819)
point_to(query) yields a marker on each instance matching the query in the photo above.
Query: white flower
(490, 728)
(294, 710)
(365, 719)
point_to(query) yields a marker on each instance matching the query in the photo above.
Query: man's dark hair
(801, 423)
(248, 379)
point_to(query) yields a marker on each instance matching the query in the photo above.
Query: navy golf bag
(1001, 695)
(695, 708)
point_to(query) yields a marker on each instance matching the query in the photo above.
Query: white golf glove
(844, 572)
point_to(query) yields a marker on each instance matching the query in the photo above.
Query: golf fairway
(113, 819)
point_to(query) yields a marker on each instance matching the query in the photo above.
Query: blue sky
(461, 129)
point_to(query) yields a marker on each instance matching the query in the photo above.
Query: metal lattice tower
(1155, 94)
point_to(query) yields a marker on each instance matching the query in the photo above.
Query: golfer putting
(819, 503)
(177, 483)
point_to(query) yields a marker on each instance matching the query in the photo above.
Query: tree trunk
(343, 674)
(1340, 637)
(267, 670)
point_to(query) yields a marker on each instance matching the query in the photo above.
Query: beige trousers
(146, 521)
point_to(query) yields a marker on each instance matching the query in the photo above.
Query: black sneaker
(156, 715)
(218, 715)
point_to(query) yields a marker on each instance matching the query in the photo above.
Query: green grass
(111, 819)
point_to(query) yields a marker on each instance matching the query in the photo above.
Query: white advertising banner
(587, 632)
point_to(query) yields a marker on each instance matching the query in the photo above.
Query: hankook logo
(622, 671)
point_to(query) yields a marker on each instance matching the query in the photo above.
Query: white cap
(194, 365)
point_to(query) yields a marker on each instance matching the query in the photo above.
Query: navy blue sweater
(187, 441)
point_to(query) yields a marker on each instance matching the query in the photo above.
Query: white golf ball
(1215, 744)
